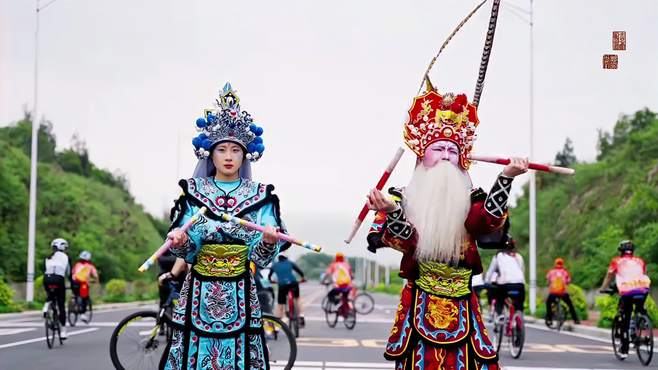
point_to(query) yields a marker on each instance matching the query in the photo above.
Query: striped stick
(238, 221)
(379, 186)
(532, 166)
(167, 244)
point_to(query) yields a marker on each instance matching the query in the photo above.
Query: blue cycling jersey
(284, 272)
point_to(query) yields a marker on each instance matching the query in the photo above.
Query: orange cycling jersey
(630, 275)
(558, 279)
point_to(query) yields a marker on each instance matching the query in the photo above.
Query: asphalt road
(22, 345)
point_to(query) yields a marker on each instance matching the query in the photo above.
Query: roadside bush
(607, 305)
(116, 291)
(6, 294)
(144, 290)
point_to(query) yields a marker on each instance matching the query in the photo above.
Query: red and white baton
(532, 166)
(379, 186)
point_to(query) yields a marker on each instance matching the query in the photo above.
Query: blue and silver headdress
(228, 123)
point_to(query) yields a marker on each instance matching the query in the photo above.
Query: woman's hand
(378, 202)
(517, 166)
(178, 237)
(270, 235)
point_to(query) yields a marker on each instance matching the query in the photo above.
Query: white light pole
(31, 233)
(521, 13)
(533, 194)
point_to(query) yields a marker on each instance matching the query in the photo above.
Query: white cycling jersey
(58, 264)
(509, 268)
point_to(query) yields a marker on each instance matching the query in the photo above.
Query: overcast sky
(330, 82)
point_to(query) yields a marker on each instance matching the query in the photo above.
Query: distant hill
(88, 206)
(584, 217)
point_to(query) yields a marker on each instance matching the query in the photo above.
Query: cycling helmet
(85, 256)
(626, 246)
(60, 244)
(559, 262)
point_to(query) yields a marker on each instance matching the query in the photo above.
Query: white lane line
(549, 368)
(584, 336)
(14, 344)
(359, 364)
(14, 331)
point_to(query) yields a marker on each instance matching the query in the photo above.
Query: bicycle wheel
(561, 315)
(499, 331)
(616, 337)
(292, 316)
(364, 303)
(331, 313)
(324, 303)
(282, 347)
(350, 319)
(644, 339)
(90, 311)
(72, 312)
(135, 344)
(518, 335)
(50, 327)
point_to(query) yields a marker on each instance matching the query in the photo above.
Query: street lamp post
(31, 233)
(521, 13)
(533, 194)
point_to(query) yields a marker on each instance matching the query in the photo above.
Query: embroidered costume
(217, 322)
(438, 323)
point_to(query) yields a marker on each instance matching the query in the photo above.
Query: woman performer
(218, 318)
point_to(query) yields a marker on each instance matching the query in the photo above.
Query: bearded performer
(217, 322)
(435, 222)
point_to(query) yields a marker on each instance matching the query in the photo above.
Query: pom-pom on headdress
(434, 117)
(228, 123)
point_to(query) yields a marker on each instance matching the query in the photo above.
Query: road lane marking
(14, 344)
(15, 331)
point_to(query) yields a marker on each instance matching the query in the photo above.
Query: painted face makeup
(227, 158)
(442, 150)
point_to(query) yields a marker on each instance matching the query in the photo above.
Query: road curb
(591, 331)
(104, 306)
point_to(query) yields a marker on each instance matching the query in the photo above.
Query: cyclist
(82, 273)
(633, 284)
(341, 276)
(57, 269)
(283, 269)
(510, 269)
(170, 268)
(558, 280)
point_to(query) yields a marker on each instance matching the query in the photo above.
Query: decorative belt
(222, 260)
(440, 279)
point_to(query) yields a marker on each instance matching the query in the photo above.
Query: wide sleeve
(260, 252)
(488, 214)
(398, 233)
(181, 213)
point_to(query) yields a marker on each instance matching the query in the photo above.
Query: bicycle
(510, 324)
(51, 317)
(640, 330)
(344, 308)
(558, 314)
(136, 344)
(146, 345)
(291, 311)
(364, 303)
(75, 309)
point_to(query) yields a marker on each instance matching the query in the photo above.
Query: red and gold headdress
(434, 117)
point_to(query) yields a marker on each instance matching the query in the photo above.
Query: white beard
(437, 202)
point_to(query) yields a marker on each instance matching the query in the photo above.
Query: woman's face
(227, 158)
(442, 150)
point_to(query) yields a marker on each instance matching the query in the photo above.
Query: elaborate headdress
(228, 123)
(434, 117)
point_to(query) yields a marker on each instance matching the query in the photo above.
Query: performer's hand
(178, 237)
(378, 202)
(270, 235)
(517, 166)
